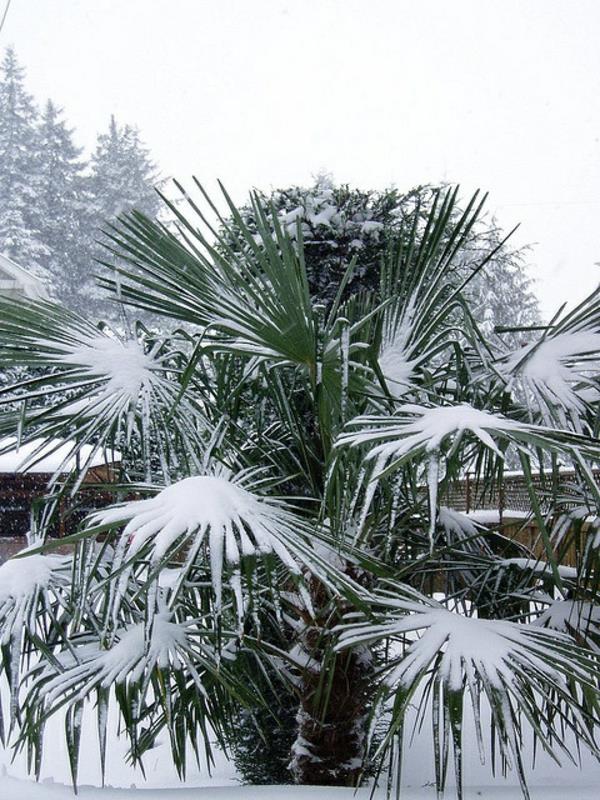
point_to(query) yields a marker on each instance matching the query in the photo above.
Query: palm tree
(281, 507)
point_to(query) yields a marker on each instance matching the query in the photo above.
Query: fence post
(468, 493)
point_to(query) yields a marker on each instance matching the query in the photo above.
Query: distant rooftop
(16, 281)
(53, 456)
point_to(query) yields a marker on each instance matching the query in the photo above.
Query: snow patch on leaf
(219, 513)
(555, 372)
(125, 366)
(21, 577)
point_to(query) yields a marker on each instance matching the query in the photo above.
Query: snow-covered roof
(53, 453)
(492, 516)
(14, 278)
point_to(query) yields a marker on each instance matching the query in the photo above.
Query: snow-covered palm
(276, 458)
(218, 515)
(99, 388)
(29, 589)
(525, 673)
(558, 373)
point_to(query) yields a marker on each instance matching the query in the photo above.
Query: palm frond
(101, 389)
(557, 375)
(219, 518)
(527, 674)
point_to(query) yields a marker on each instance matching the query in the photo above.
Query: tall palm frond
(558, 375)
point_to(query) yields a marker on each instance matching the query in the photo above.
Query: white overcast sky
(498, 94)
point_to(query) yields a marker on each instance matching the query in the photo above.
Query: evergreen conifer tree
(340, 224)
(122, 177)
(59, 205)
(53, 207)
(122, 174)
(19, 168)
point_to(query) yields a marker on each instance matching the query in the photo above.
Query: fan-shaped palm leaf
(558, 374)
(525, 672)
(102, 388)
(221, 516)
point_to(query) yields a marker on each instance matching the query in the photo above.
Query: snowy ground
(547, 782)
(11, 789)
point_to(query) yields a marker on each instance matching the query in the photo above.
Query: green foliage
(293, 454)
(341, 225)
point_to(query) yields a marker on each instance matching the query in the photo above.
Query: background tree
(340, 224)
(292, 463)
(59, 204)
(19, 169)
(53, 204)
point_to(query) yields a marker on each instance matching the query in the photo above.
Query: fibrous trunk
(334, 689)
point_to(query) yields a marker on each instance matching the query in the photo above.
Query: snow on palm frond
(221, 517)
(30, 586)
(461, 531)
(23, 582)
(123, 369)
(148, 670)
(555, 372)
(579, 618)
(426, 433)
(418, 430)
(525, 672)
(458, 524)
(77, 671)
(103, 387)
(425, 284)
(396, 359)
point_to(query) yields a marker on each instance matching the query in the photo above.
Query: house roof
(54, 456)
(24, 280)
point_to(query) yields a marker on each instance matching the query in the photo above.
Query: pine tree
(59, 205)
(19, 168)
(52, 212)
(122, 176)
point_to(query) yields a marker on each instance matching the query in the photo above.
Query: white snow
(234, 522)
(461, 525)
(11, 789)
(372, 227)
(90, 666)
(539, 566)
(395, 359)
(124, 365)
(53, 455)
(20, 577)
(491, 646)
(421, 430)
(547, 782)
(556, 367)
(427, 428)
(492, 516)
(563, 615)
(397, 369)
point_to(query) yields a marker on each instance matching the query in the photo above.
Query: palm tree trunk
(334, 696)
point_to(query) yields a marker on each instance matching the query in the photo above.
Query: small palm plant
(282, 512)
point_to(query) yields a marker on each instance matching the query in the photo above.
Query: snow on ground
(11, 789)
(548, 781)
